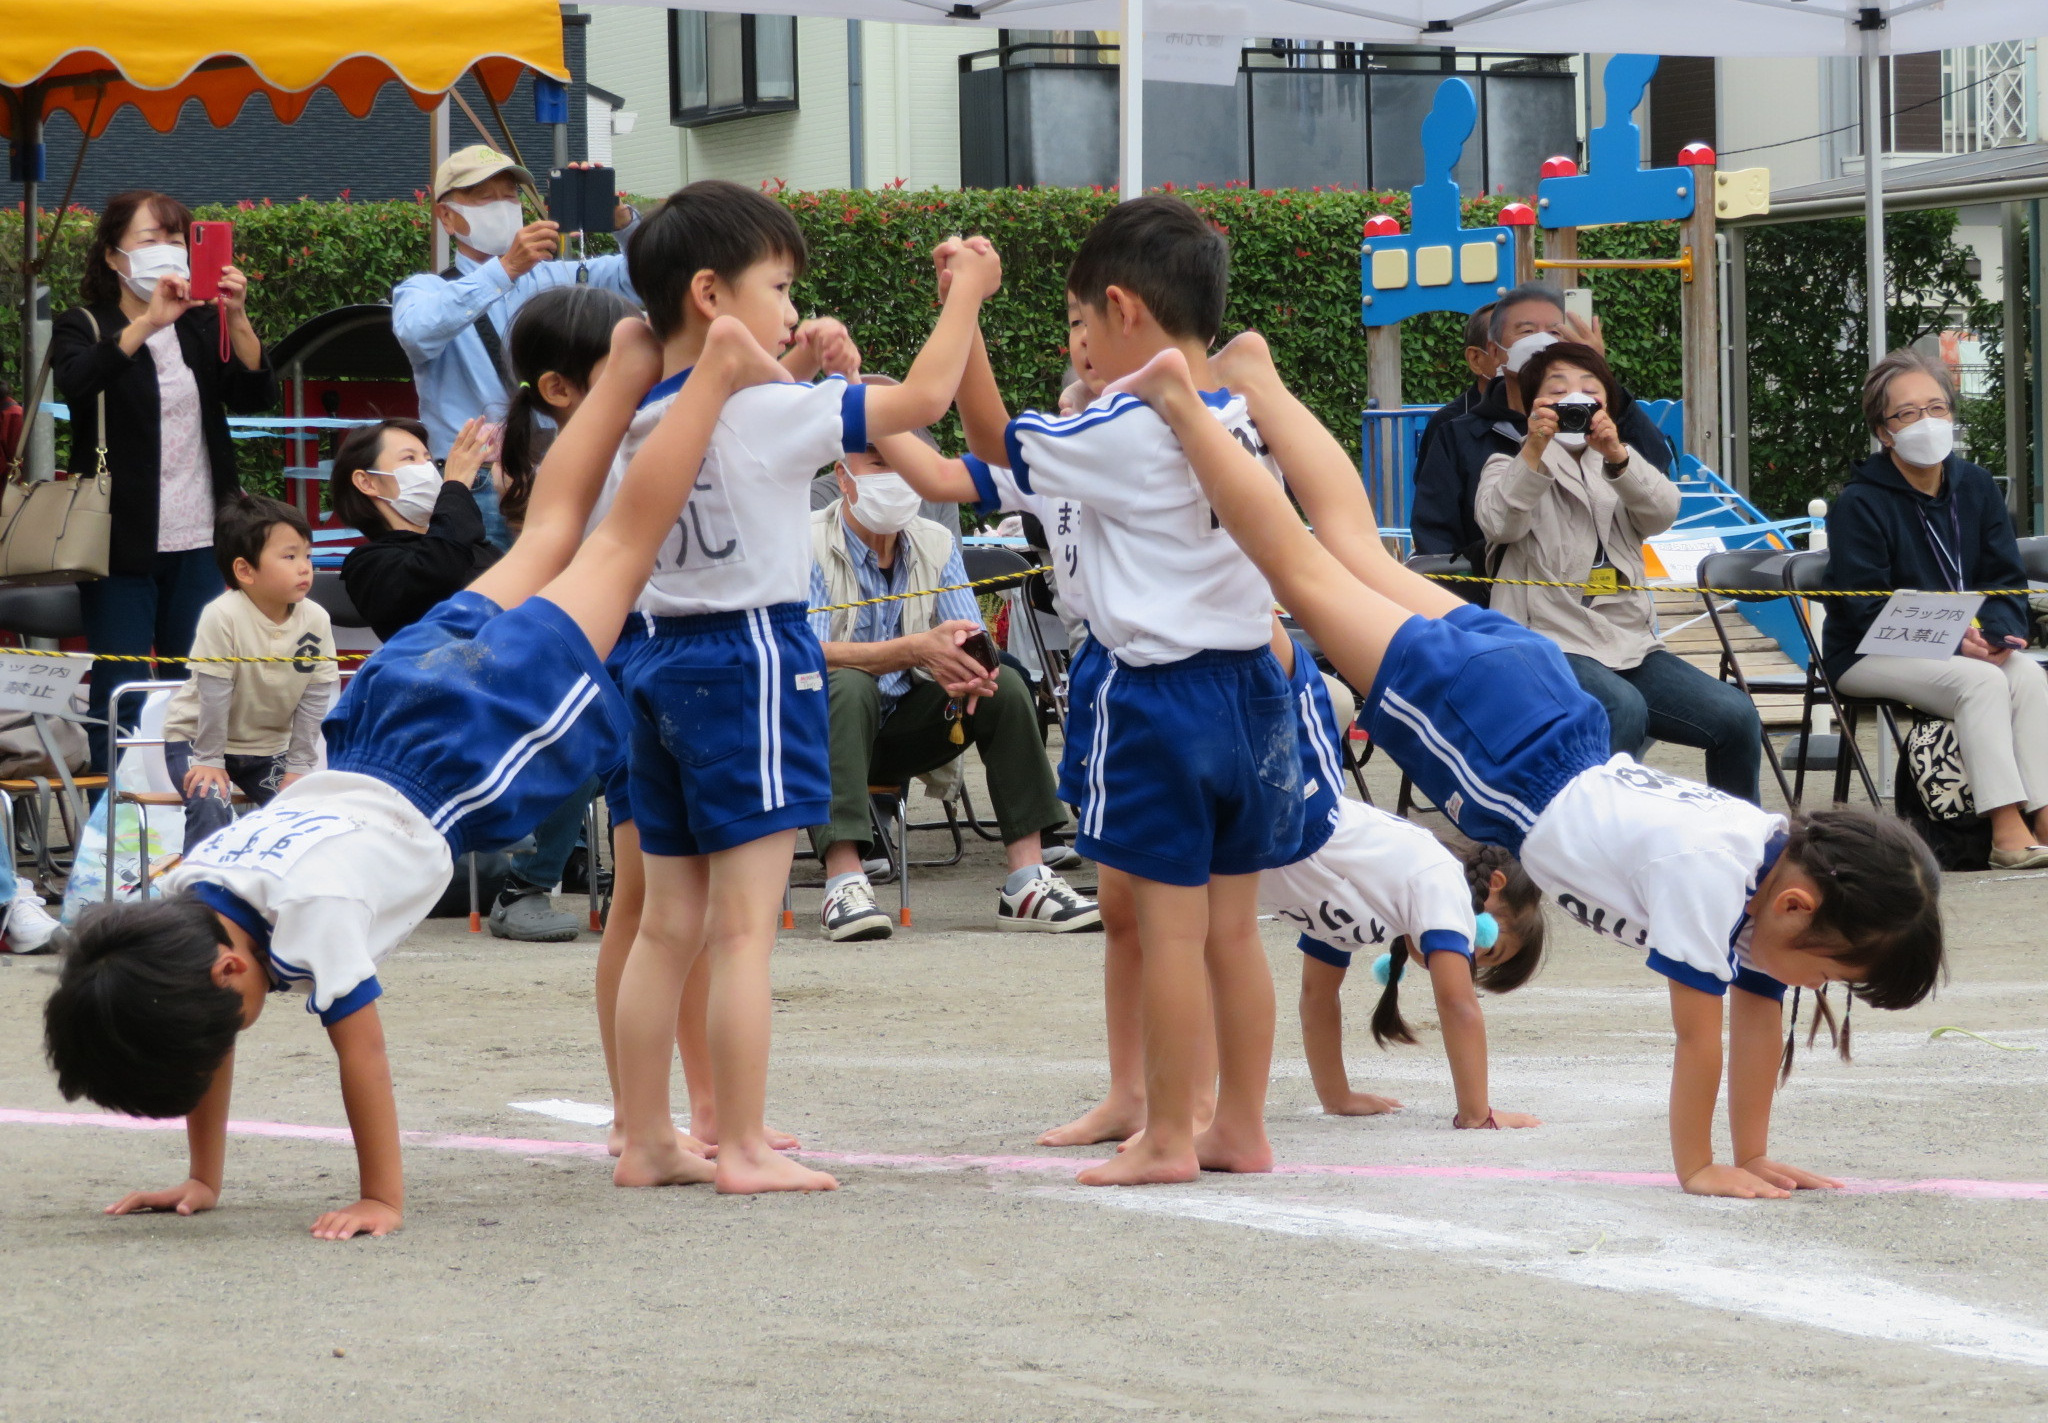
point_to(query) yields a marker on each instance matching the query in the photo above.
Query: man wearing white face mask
(904, 684)
(453, 324)
(1448, 466)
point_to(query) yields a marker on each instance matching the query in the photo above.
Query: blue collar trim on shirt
(663, 389)
(1216, 399)
(244, 915)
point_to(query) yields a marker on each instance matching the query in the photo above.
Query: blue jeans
(554, 839)
(1668, 698)
(255, 776)
(137, 613)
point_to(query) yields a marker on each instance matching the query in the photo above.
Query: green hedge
(1294, 277)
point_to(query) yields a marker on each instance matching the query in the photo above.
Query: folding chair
(888, 811)
(983, 562)
(51, 611)
(1751, 568)
(2034, 559)
(1801, 574)
(118, 742)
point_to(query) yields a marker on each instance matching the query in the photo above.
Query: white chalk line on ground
(1795, 1292)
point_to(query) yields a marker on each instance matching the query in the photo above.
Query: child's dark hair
(566, 330)
(1524, 919)
(137, 1023)
(711, 225)
(1165, 253)
(242, 528)
(356, 453)
(1880, 901)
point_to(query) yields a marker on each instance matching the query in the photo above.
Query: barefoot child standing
(459, 734)
(727, 691)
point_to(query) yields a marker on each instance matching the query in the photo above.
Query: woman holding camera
(155, 359)
(1916, 516)
(1573, 506)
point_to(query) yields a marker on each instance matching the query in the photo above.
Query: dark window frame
(750, 105)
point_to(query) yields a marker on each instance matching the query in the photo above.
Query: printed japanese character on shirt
(1336, 925)
(1602, 920)
(706, 532)
(1642, 778)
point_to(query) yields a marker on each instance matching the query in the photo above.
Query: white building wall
(1763, 102)
(911, 88)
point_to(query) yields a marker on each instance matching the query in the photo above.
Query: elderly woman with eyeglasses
(1915, 515)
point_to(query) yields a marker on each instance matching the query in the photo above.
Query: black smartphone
(582, 199)
(982, 648)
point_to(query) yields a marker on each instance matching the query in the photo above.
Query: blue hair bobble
(1487, 930)
(1381, 968)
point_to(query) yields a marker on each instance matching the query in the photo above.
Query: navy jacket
(1447, 474)
(1883, 533)
(1443, 415)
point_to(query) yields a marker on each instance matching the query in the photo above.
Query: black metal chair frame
(1802, 573)
(1750, 568)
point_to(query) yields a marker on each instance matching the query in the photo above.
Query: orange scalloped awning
(91, 57)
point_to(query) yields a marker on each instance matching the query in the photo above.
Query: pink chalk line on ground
(528, 1146)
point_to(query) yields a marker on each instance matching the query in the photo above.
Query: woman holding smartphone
(138, 347)
(1917, 515)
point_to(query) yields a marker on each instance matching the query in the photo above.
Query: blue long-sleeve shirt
(879, 622)
(434, 320)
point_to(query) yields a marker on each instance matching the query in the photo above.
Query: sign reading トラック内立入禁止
(1927, 625)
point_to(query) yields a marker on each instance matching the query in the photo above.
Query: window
(729, 66)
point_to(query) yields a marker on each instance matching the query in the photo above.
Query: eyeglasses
(1933, 409)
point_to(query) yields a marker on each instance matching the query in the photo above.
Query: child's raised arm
(373, 1120)
(206, 1144)
(983, 416)
(930, 473)
(933, 379)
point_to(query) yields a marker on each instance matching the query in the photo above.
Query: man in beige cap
(453, 325)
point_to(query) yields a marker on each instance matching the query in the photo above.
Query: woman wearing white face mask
(153, 359)
(425, 532)
(1915, 515)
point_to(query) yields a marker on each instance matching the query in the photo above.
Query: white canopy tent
(1694, 27)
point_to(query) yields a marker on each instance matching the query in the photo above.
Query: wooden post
(1388, 486)
(1525, 255)
(1700, 308)
(1561, 244)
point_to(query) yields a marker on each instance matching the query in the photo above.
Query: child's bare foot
(1139, 1163)
(748, 1168)
(734, 358)
(669, 1163)
(1221, 1150)
(1203, 1116)
(1108, 1120)
(705, 1127)
(1360, 1104)
(615, 1141)
(1245, 361)
(1160, 379)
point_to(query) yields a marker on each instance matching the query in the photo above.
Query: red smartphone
(209, 249)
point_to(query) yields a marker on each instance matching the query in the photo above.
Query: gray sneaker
(526, 915)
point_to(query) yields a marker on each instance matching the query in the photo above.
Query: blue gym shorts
(1194, 769)
(486, 721)
(730, 730)
(1487, 718)
(617, 770)
(1084, 675)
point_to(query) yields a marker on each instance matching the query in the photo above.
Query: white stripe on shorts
(1098, 790)
(1498, 801)
(768, 707)
(518, 755)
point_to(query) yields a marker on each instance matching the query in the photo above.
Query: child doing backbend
(727, 690)
(1487, 718)
(458, 735)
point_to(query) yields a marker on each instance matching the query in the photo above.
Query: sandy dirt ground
(1393, 1269)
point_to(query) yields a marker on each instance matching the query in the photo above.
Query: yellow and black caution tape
(359, 656)
(1599, 587)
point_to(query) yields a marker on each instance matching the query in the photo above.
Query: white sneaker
(29, 925)
(850, 913)
(1046, 904)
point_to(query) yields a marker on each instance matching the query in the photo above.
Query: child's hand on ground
(1360, 1104)
(1718, 1180)
(635, 359)
(1790, 1178)
(473, 447)
(190, 1198)
(365, 1217)
(207, 780)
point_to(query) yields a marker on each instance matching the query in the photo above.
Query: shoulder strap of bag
(486, 333)
(99, 407)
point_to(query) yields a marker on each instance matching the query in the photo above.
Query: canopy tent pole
(1130, 82)
(438, 139)
(1870, 23)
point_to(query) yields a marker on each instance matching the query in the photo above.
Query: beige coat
(1553, 523)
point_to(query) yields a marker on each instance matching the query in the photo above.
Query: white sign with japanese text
(39, 684)
(1192, 58)
(1927, 625)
